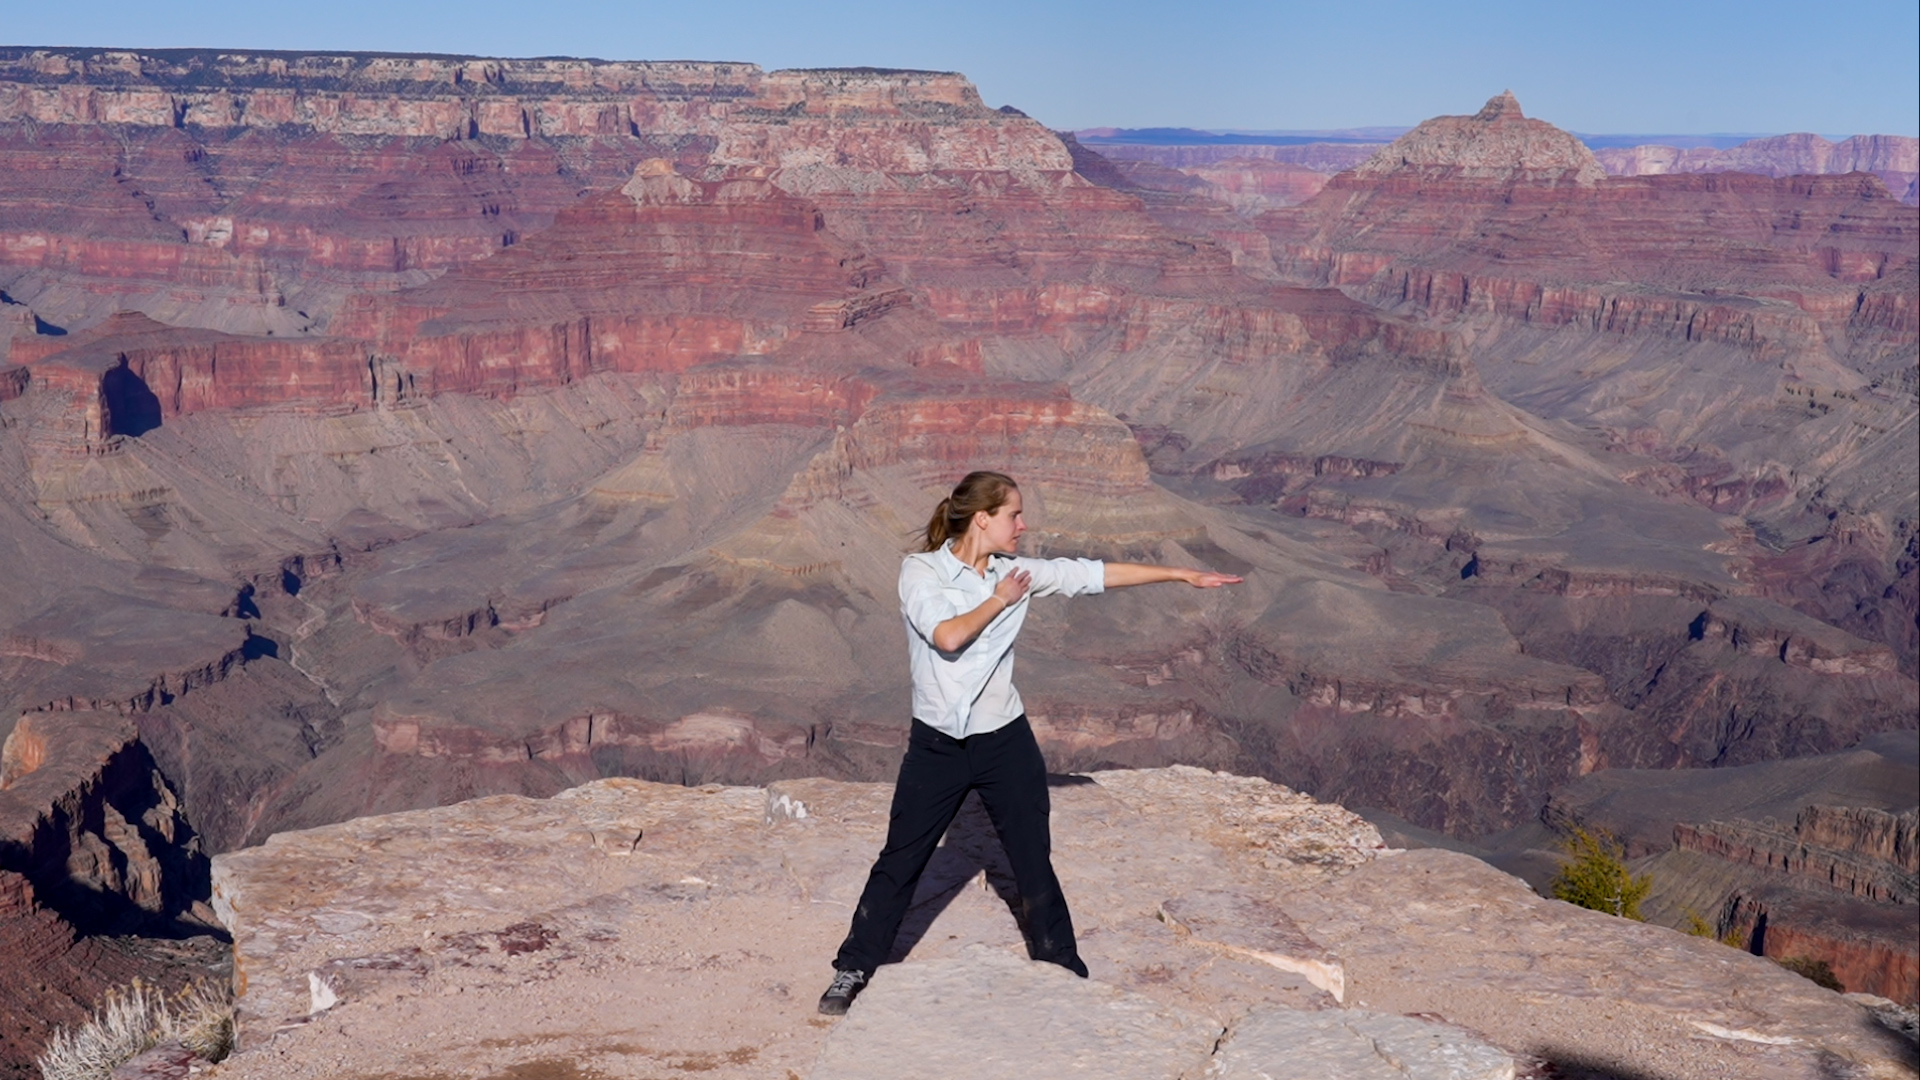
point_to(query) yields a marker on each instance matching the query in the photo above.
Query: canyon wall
(1863, 854)
(1808, 858)
(1895, 159)
(93, 842)
(1858, 851)
(256, 191)
(1868, 947)
(1804, 295)
(605, 466)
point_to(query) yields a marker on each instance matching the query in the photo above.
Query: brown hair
(980, 490)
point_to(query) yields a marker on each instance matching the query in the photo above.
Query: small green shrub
(1697, 926)
(1819, 971)
(1598, 878)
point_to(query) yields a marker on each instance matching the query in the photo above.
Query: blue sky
(1657, 66)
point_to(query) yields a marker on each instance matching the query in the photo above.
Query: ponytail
(978, 491)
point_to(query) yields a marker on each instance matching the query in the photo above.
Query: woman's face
(1003, 527)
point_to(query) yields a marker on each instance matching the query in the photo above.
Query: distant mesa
(1248, 171)
(1498, 142)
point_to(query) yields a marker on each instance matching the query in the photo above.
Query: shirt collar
(949, 562)
(953, 567)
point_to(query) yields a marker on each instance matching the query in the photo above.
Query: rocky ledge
(1234, 928)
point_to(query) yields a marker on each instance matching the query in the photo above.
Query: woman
(964, 598)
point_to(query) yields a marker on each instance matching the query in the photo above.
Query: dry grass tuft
(131, 1021)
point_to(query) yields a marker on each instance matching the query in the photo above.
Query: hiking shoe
(839, 997)
(1073, 963)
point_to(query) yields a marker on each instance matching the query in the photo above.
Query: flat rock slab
(1437, 932)
(1275, 1044)
(167, 1061)
(985, 1015)
(628, 931)
(1255, 928)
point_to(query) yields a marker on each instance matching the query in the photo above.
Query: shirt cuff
(1096, 575)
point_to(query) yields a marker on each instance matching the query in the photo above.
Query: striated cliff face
(1805, 858)
(1608, 302)
(254, 192)
(95, 826)
(93, 842)
(1862, 853)
(1890, 838)
(1859, 851)
(1869, 947)
(1895, 159)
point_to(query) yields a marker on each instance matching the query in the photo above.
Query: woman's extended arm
(1120, 574)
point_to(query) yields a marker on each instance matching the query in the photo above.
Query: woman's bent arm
(956, 633)
(1121, 574)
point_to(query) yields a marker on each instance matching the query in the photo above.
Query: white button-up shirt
(971, 691)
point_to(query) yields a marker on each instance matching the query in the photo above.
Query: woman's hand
(1012, 588)
(1208, 579)
(958, 632)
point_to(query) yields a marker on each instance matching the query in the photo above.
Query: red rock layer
(679, 270)
(1837, 251)
(1869, 947)
(616, 285)
(644, 282)
(57, 977)
(251, 191)
(1895, 159)
(252, 229)
(1825, 846)
(939, 427)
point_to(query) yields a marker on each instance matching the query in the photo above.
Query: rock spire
(1505, 105)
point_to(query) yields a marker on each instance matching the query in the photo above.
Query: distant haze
(1196, 137)
(1247, 65)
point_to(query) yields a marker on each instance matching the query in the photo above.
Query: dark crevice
(128, 405)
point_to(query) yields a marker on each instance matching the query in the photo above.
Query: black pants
(939, 770)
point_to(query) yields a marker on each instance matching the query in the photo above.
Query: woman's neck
(974, 555)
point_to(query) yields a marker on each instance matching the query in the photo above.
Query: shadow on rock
(1576, 1066)
(971, 846)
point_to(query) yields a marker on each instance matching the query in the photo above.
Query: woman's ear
(981, 519)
